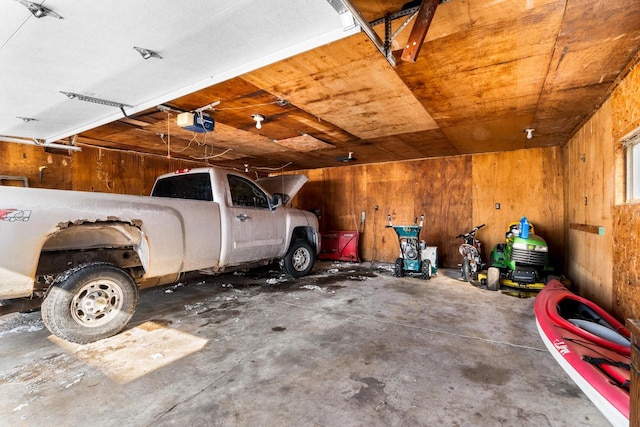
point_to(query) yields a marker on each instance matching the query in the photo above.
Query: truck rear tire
(89, 302)
(299, 260)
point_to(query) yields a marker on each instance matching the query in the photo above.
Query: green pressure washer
(415, 256)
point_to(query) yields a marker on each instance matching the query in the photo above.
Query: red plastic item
(340, 246)
(599, 366)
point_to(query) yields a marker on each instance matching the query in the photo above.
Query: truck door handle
(242, 217)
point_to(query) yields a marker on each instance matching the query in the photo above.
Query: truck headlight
(530, 247)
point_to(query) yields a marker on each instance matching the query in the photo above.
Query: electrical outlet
(497, 205)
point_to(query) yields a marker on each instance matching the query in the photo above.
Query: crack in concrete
(240, 361)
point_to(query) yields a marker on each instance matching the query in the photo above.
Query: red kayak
(590, 345)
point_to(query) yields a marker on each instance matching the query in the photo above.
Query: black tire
(89, 302)
(399, 267)
(493, 278)
(426, 269)
(299, 260)
(466, 270)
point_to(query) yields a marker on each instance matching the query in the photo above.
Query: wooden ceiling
(488, 70)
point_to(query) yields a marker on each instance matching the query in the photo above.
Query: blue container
(524, 228)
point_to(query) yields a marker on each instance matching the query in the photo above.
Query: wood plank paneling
(606, 267)
(25, 160)
(404, 190)
(454, 194)
(336, 88)
(120, 172)
(432, 143)
(625, 116)
(589, 196)
(626, 268)
(524, 183)
(626, 105)
(443, 192)
(92, 169)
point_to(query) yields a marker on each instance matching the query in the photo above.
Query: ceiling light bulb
(259, 119)
(529, 132)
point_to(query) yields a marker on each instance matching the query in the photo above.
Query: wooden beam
(419, 30)
(595, 229)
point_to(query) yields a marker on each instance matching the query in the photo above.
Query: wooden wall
(92, 169)
(42, 169)
(122, 172)
(454, 194)
(625, 112)
(604, 267)
(525, 183)
(438, 188)
(589, 196)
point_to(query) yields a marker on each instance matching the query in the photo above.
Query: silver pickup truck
(83, 256)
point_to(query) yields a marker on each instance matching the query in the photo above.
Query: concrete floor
(350, 345)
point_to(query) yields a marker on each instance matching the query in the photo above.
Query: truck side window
(195, 186)
(245, 193)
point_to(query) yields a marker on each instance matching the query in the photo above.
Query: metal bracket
(394, 16)
(411, 12)
(343, 6)
(24, 179)
(100, 101)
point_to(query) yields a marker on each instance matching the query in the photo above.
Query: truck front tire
(299, 259)
(89, 302)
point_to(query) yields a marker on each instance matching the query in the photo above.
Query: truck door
(257, 231)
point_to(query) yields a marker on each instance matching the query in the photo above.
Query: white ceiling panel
(91, 52)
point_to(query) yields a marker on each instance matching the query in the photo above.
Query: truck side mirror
(279, 199)
(276, 201)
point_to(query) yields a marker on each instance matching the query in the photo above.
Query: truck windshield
(195, 186)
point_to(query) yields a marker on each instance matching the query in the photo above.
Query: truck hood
(286, 185)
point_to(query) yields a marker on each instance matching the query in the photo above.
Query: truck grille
(523, 256)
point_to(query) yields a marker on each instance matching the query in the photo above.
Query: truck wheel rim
(300, 259)
(97, 303)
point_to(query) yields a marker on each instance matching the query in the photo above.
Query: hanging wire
(168, 135)
(213, 156)
(273, 169)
